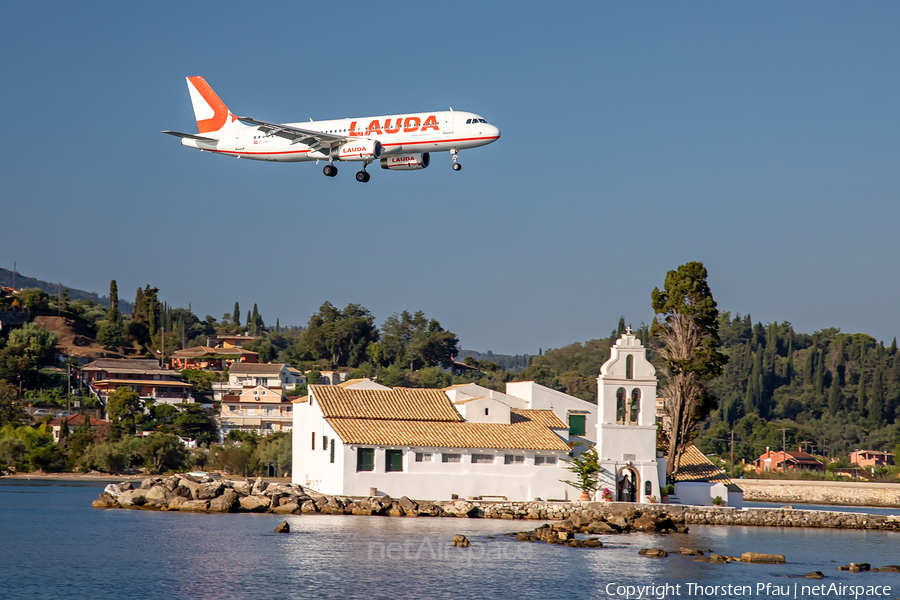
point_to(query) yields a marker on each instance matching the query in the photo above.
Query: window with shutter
(365, 459)
(577, 424)
(393, 460)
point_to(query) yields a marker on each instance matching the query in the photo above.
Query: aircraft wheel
(457, 167)
(330, 170)
(362, 177)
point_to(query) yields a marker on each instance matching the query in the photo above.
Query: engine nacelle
(406, 162)
(360, 150)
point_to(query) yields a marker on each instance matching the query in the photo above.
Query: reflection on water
(55, 546)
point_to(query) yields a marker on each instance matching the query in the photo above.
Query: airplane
(401, 142)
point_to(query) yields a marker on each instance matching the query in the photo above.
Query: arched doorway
(627, 480)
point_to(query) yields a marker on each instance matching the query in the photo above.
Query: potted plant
(587, 469)
(666, 492)
(606, 494)
(717, 501)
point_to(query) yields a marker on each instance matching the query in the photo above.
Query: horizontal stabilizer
(191, 136)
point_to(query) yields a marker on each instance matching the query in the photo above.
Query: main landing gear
(362, 176)
(330, 170)
(454, 152)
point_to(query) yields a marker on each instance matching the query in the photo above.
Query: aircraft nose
(495, 132)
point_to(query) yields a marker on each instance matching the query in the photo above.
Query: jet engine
(406, 162)
(360, 150)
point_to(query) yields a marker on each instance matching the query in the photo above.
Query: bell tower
(626, 424)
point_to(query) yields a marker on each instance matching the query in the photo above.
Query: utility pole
(68, 386)
(732, 453)
(783, 448)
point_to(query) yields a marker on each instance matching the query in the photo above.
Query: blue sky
(759, 138)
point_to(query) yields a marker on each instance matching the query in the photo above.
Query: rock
(104, 501)
(255, 503)
(716, 559)
(461, 541)
(227, 502)
(194, 506)
(757, 557)
(283, 528)
(653, 523)
(158, 495)
(177, 502)
(890, 569)
(125, 486)
(526, 537)
(601, 527)
(459, 508)
(147, 484)
(208, 491)
(190, 484)
(565, 525)
(653, 552)
(189, 477)
(171, 483)
(286, 509)
(132, 498)
(593, 543)
(183, 492)
(814, 575)
(690, 551)
(259, 487)
(409, 507)
(115, 489)
(242, 487)
(309, 507)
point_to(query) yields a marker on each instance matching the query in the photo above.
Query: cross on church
(628, 330)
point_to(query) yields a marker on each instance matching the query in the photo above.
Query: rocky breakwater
(187, 493)
(596, 522)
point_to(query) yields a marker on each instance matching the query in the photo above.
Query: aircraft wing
(295, 134)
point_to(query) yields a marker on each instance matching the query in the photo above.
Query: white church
(361, 438)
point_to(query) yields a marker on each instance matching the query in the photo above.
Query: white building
(349, 439)
(280, 377)
(476, 442)
(626, 424)
(259, 409)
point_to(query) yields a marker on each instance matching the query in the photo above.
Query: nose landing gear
(454, 153)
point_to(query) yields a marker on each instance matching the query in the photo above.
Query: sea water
(53, 545)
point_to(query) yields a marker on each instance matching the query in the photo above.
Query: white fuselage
(399, 134)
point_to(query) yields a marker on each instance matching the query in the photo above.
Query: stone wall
(186, 493)
(846, 493)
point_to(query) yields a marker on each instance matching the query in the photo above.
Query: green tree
(236, 315)
(165, 451)
(586, 468)
(11, 409)
(341, 336)
(124, 405)
(194, 422)
(835, 398)
(686, 323)
(110, 335)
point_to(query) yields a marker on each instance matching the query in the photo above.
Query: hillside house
(144, 376)
(278, 377)
(259, 409)
(782, 460)
(204, 358)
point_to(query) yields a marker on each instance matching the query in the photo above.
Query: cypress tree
(237, 314)
(138, 305)
(839, 367)
(876, 403)
(621, 327)
(835, 398)
(893, 349)
(861, 396)
(820, 372)
(789, 368)
(247, 322)
(254, 322)
(809, 366)
(895, 371)
(277, 325)
(112, 314)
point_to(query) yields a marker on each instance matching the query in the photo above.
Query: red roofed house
(871, 458)
(781, 460)
(74, 422)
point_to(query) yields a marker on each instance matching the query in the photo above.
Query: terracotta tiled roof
(396, 404)
(301, 400)
(547, 418)
(526, 432)
(467, 400)
(694, 466)
(77, 421)
(148, 382)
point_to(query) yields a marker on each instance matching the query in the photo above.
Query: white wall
(701, 493)
(437, 480)
(483, 410)
(538, 397)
